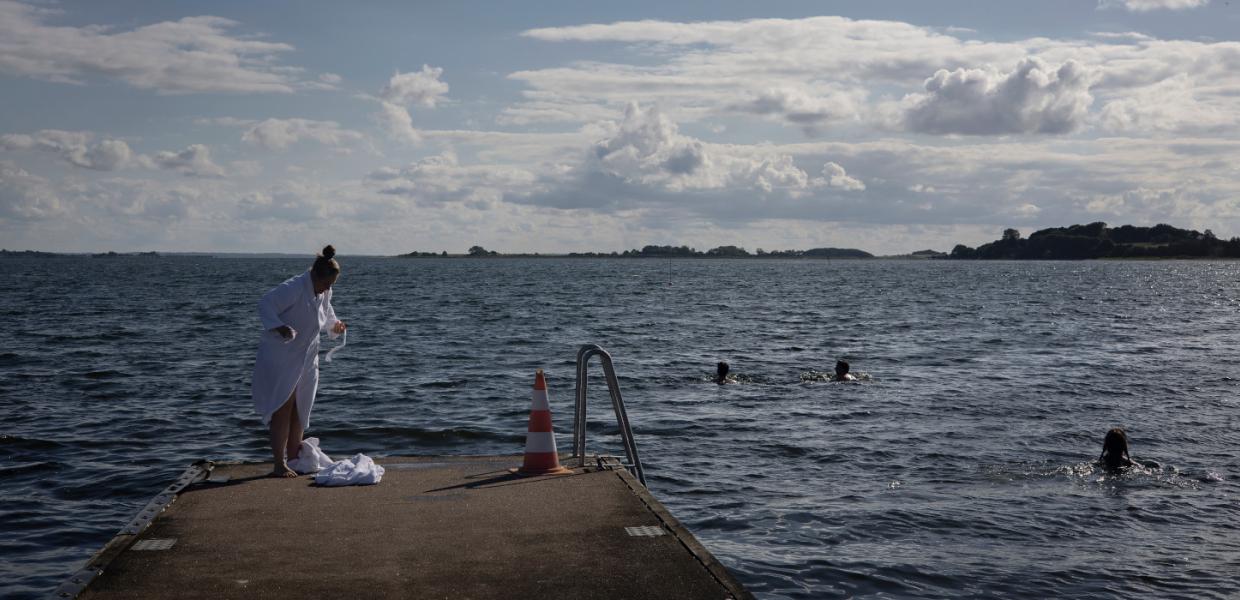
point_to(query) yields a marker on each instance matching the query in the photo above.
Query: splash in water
(1093, 473)
(731, 378)
(826, 376)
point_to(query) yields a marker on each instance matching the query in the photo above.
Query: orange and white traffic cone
(541, 457)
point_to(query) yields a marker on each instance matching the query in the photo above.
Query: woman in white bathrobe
(286, 374)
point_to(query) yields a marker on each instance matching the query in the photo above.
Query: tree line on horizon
(652, 251)
(1097, 240)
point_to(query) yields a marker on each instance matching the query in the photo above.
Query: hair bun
(328, 251)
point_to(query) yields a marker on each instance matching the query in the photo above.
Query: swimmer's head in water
(841, 369)
(721, 370)
(1115, 448)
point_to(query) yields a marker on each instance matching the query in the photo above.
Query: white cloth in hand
(343, 341)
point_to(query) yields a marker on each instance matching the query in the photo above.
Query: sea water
(962, 466)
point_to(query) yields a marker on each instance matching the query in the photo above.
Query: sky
(390, 127)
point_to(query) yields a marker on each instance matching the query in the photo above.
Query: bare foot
(283, 471)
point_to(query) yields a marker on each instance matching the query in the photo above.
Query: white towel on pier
(310, 459)
(359, 470)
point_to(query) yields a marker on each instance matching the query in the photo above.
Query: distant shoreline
(427, 256)
(1095, 241)
(62, 255)
(651, 251)
(10, 254)
(578, 256)
(817, 254)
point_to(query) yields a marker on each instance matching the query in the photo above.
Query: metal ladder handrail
(584, 354)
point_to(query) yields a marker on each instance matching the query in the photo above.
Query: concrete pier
(436, 527)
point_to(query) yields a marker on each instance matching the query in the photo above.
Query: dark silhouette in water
(1115, 450)
(841, 371)
(724, 375)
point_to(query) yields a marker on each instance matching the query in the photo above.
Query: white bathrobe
(285, 365)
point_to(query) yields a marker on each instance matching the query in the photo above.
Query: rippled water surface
(961, 469)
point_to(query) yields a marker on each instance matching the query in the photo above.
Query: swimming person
(721, 373)
(841, 372)
(1115, 450)
(286, 372)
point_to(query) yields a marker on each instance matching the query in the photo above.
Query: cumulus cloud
(789, 69)
(108, 155)
(647, 145)
(279, 134)
(194, 161)
(24, 196)
(833, 175)
(644, 163)
(521, 147)
(1026, 211)
(810, 70)
(418, 88)
(191, 55)
(398, 123)
(75, 147)
(288, 203)
(134, 201)
(245, 168)
(442, 179)
(639, 161)
(1189, 203)
(647, 148)
(628, 175)
(990, 182)
(966, 191)
(1167, 106)
(808, 111)
(1148, 5)
(78, 149)
(1034, 98)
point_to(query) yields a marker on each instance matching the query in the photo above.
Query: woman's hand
(339, 327)
(285, 332)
